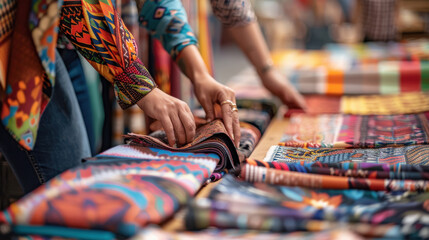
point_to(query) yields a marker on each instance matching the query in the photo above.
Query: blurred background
(312, 24)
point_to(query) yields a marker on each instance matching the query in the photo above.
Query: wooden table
(271, 137)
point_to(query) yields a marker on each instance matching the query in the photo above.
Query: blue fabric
(58, 231)
(167, 21)
(77, 77)
(62, 139)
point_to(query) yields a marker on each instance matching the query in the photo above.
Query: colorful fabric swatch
(115, 194)
(404, 103)
(209, 138)
(237, 204)
(356, 131)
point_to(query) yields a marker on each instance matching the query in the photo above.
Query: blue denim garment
(77, 77)
(62, 139)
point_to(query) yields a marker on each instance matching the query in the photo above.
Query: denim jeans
(61, 141)
(77, 76)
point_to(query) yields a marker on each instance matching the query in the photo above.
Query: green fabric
(389, 77)
(424, 66)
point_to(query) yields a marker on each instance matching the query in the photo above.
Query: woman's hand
(175, 116)
(281, 88)
(209, 93)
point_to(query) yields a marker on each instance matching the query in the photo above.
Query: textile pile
(374, 68)
(127, 188)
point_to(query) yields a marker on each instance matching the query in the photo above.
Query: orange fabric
(335, 82)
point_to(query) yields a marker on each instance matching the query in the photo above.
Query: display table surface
(271, 137)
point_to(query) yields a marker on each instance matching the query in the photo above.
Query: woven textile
(114, 194)
(209, 138)
(318, 181)
(355, 170)
(355, 131)
(237, 204)
(404, 103)
(409, 155)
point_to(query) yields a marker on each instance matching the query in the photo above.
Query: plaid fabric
(233, 13)
(379, 19)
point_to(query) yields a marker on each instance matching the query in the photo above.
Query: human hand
(283, 89)
(173, 114)
(209, 93)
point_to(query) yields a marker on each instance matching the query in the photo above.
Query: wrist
(198, 77)
(265, 68)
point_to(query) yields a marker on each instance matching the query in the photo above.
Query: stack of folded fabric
(359, 69)
(209, 138)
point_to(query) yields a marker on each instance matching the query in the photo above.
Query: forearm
(192, 64)
(254, 46)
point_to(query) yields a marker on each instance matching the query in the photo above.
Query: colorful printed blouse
(96, 31)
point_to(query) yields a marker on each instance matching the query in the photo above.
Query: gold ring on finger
(231, 103)
(234, 109)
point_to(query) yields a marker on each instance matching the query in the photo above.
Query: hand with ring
(209, 93)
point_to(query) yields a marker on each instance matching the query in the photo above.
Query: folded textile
(356, 131)
(209, 138)
(355, 170)
(405, 103)
(415, 155)
(253, 173)
(235, 234)
(237, 204)
(119, 195)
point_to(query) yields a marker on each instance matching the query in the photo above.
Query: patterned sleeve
(98, 33)
(233, 13)
(166, 20)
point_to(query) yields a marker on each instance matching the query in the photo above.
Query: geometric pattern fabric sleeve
(166, 20)
(233, 13)
(98, 33)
